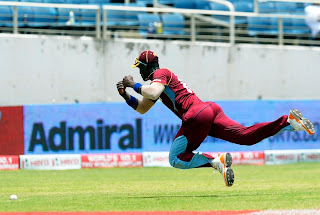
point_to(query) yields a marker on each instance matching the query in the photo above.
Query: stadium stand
(147, 23)
(25, 16)
(53, 1)
(173, 24)
(188, 4)
(266, 7)
(203, 5)
(64, 17)
(5, 16)
(44, 17)
(168, 25)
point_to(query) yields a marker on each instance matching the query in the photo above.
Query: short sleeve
(162, 76)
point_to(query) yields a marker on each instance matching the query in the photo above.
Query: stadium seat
(25, 16)
(146, 23)
(286, 7)
(98, 2)
(266, 7)
(220, 7)
(54, 1)
(238, 6)
(150, 2)
(76, 2)
(299, 26)
(44, 16)
(88, 17)
(202, 5)
(6, 16)
(172, 24)
(132, 16)
(242, 6)
(34, 1)
(261, 25)
(116, 17)
(189, 4)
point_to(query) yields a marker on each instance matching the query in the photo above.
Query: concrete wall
(43, 70)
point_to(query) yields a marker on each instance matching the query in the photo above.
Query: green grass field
(162, 189)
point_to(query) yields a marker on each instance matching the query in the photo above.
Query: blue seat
(116, 17)
(189, 4)
(266, 7)
(63, 16)
(146, 23)
(98, 2)
(242, 6)
(286, 7)
(44, 16)
(88, 17)
(238, 6)
(76, 2)
(54, 1)
(150, 2)
(202, 5)
(300, 7)
(6, 16)
(220, 7)
(25, 16)
(132, 16)
(261, 25)
(299, 26)
(34, 1)
(173, 24)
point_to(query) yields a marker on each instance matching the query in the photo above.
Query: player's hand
(128, 81)
(121, 88)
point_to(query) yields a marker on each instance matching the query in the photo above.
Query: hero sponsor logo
(66, 138)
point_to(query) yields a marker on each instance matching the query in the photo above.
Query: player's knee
(174, 162)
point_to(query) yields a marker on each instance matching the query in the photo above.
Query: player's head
(147, 62)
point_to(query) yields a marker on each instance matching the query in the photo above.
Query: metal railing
(193, 33)
(199, 25)
(256, 2)
(17, 5)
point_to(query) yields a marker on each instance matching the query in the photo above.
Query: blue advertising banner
(115, 127)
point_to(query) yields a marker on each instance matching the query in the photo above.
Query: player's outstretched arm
(141, 106)
(151, 92)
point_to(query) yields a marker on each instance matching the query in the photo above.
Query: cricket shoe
(299, 123)
(222, 163)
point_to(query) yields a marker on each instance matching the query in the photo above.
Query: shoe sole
(306, 123)
(228, 159)
(228, 177)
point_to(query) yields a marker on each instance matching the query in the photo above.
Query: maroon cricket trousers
(208, 119)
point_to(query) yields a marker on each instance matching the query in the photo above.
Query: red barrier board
(239, 158)
(11, 130)
(9, 162)
(111, 160)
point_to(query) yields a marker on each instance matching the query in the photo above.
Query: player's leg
(230, 130)
(227, 129)
(195, 127)
(194, 130)
(299, 123)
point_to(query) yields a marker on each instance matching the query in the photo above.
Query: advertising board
(50, 162)
(115, 128)
(111, 160)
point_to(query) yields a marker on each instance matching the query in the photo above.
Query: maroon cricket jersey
(177, 96)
